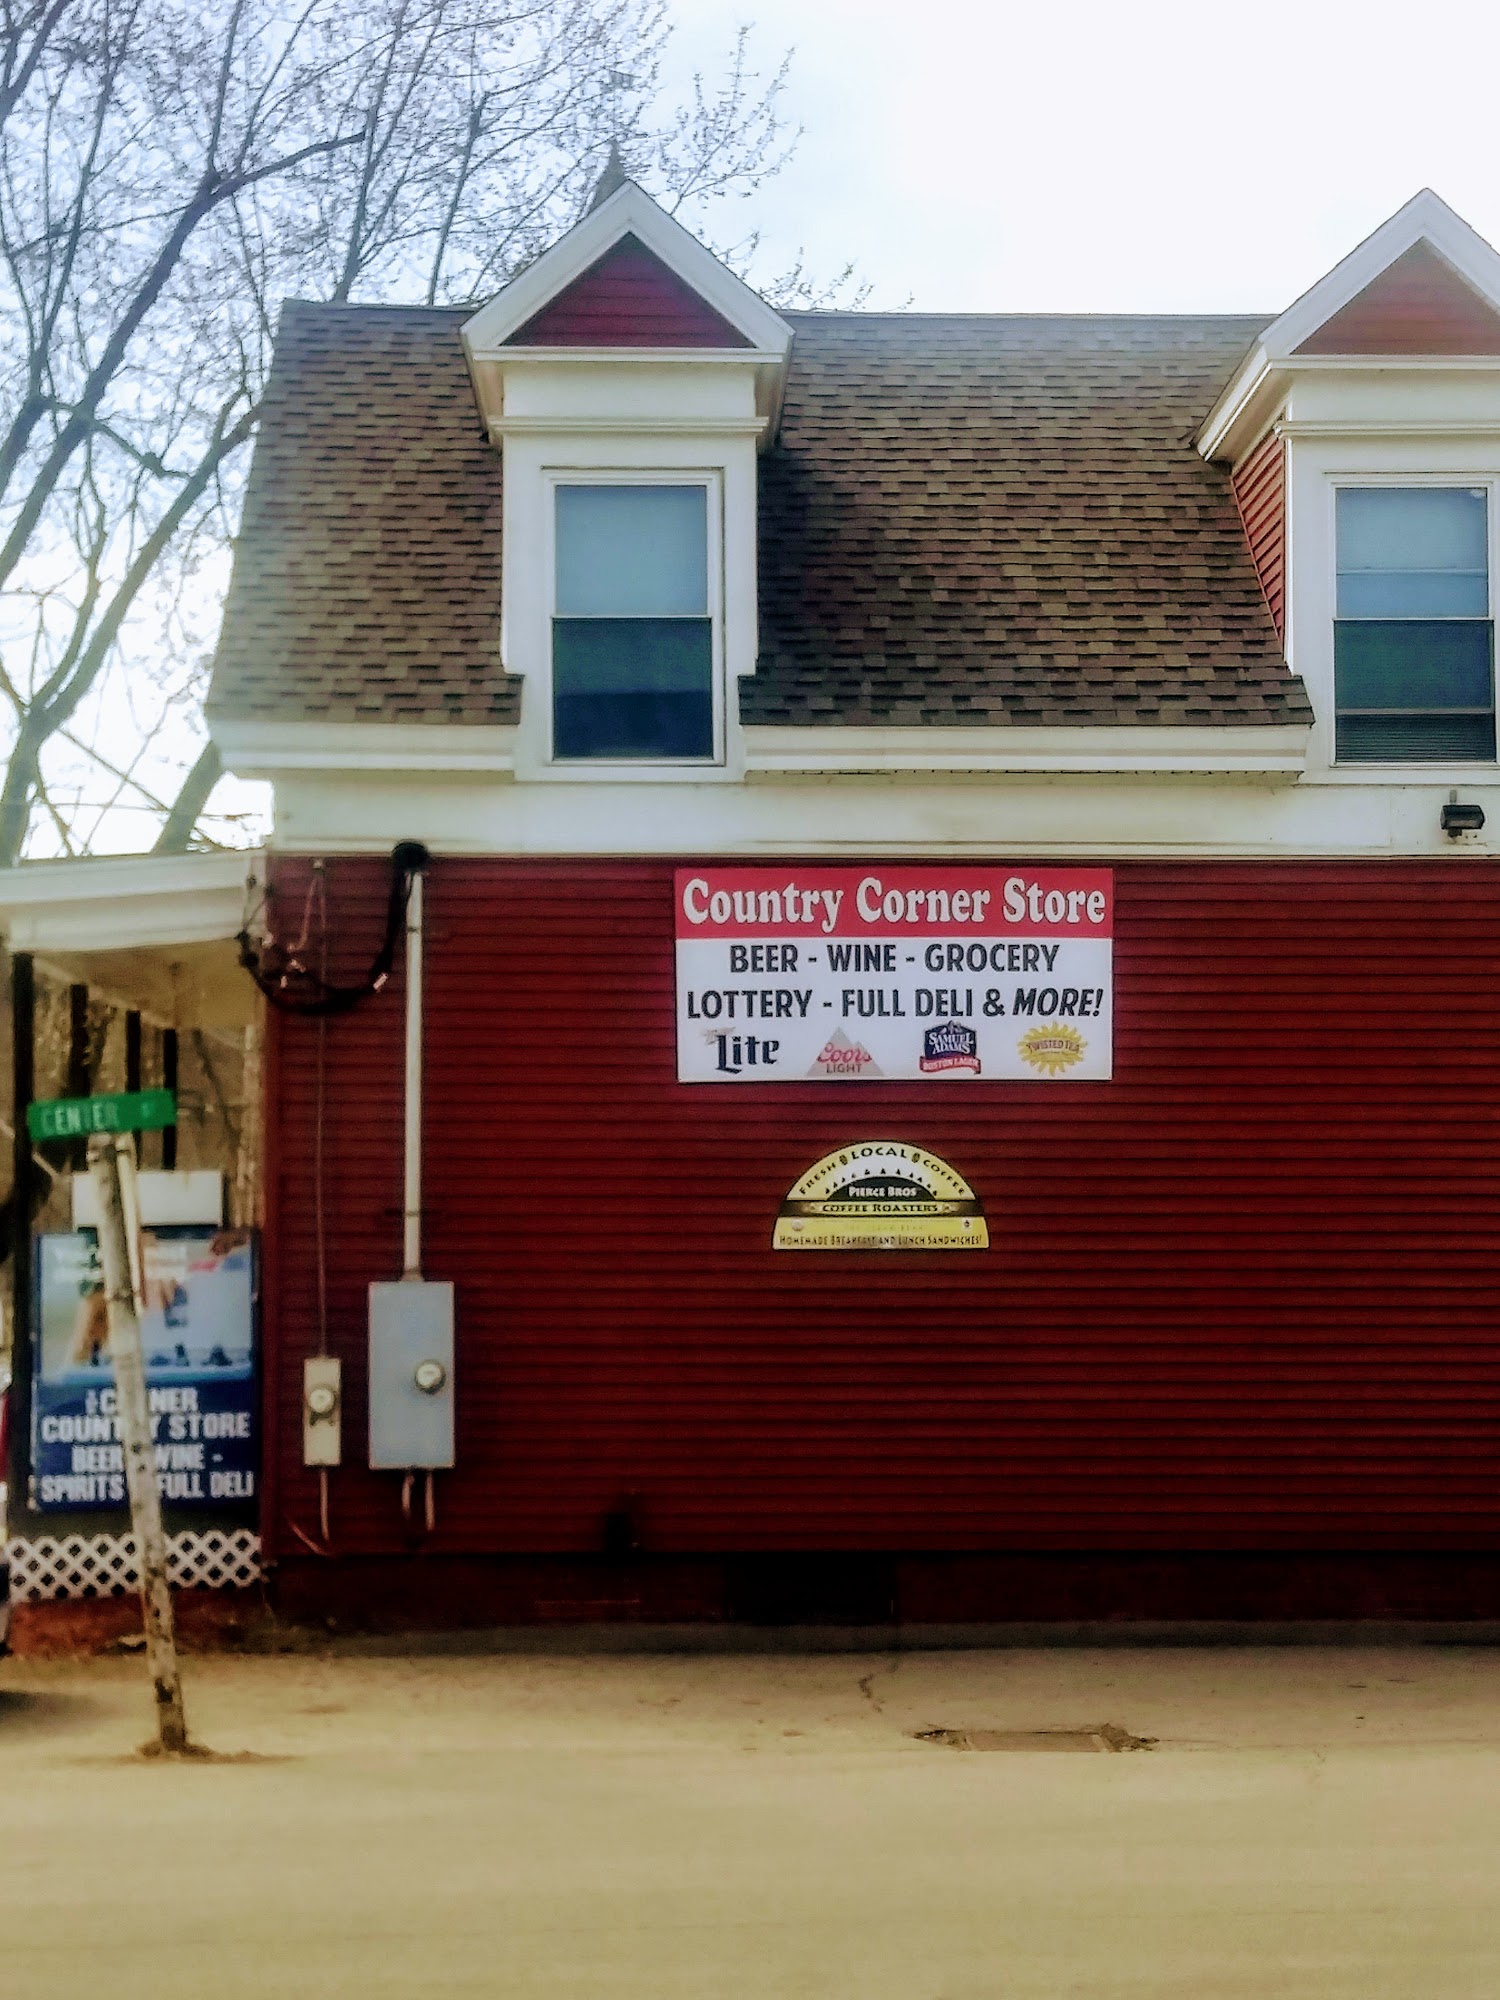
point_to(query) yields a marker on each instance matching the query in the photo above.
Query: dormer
(629, 379)
(1363, 429)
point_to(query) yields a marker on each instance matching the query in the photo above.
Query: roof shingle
(1003, 520)
(965, 520)
(366, 580)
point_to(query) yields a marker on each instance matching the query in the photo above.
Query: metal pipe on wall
(411, 1240)
(23, 1084)
(169, 1082)
(80, 1083)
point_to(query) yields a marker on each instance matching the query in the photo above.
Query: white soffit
(629, 211)
(1426, 218)
(125, 902)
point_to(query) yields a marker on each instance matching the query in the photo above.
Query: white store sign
(786, 975)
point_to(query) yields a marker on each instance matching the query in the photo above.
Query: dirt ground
(1318, 1823)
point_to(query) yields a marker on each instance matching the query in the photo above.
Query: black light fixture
(1456, 819)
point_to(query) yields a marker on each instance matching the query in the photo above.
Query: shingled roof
(366, 582)
(965, 520)
(986, 520)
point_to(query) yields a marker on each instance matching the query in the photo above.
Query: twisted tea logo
(1052, 1048)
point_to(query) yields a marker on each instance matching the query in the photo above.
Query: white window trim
(1316, 470)
(710, 479)
(533, 466)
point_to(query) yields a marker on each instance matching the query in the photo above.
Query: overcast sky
(1084, 157)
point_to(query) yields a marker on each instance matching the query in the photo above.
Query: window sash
(1412, 552)
(1449, 737)
(1413, 654)
(631, 550)
(637, 648)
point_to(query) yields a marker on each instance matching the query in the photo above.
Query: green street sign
(76, 1117)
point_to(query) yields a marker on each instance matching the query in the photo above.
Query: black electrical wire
(293, 986)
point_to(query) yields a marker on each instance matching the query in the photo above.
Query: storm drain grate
(1104, 1736)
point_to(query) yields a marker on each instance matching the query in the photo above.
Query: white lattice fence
(105, 1566)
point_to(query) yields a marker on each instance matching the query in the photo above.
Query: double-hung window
(1414, 636)
(634, 639)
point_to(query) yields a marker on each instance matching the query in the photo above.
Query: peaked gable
(628, 265)
(1424, 270)
(1417, 305)
(1422, 287)
(628, 298)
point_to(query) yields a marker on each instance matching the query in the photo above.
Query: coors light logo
(841, 1057)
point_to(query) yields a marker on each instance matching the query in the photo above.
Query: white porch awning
(155, 932)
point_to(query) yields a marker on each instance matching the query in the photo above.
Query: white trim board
(1185, 815)
(1123, 749)
(267, 750)
(644, 426)
(650, 357)
(254, 749)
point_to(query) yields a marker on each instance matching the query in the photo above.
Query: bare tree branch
(60, 694)
(170, 170)
(18, 59)
(177, 827)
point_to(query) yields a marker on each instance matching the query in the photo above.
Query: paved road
(1320, 1824)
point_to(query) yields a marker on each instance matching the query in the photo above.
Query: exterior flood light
(1457, 819)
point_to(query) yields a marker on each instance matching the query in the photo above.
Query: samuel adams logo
(881, 1194)
(950, 1045)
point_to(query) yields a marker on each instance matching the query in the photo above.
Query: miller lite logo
(950, 1045)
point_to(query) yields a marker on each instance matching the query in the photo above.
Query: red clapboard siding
(1418, 305)
(1260, 492)
(628, 299)
(1242, 1296)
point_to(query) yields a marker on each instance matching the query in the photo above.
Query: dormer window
(634, 639)
(1414, 643)
(630, 380)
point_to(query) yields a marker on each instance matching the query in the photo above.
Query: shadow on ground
(31, 1712)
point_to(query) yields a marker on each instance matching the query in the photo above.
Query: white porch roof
(152, 931)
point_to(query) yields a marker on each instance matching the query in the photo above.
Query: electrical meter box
(411, 1375)
(322, 1410)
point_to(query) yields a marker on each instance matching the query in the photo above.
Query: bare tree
(169, 171)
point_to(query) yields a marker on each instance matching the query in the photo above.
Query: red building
(683, 636)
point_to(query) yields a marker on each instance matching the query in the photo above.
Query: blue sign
(198, 1333)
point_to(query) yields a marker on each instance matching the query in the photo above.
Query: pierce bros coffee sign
(848, 974)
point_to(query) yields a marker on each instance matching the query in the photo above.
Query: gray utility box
(411, 1375)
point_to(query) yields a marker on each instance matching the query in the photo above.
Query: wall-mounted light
(1456, 819)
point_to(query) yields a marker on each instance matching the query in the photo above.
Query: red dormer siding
(1260, 491)
(628, 299)
(1418, 305)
